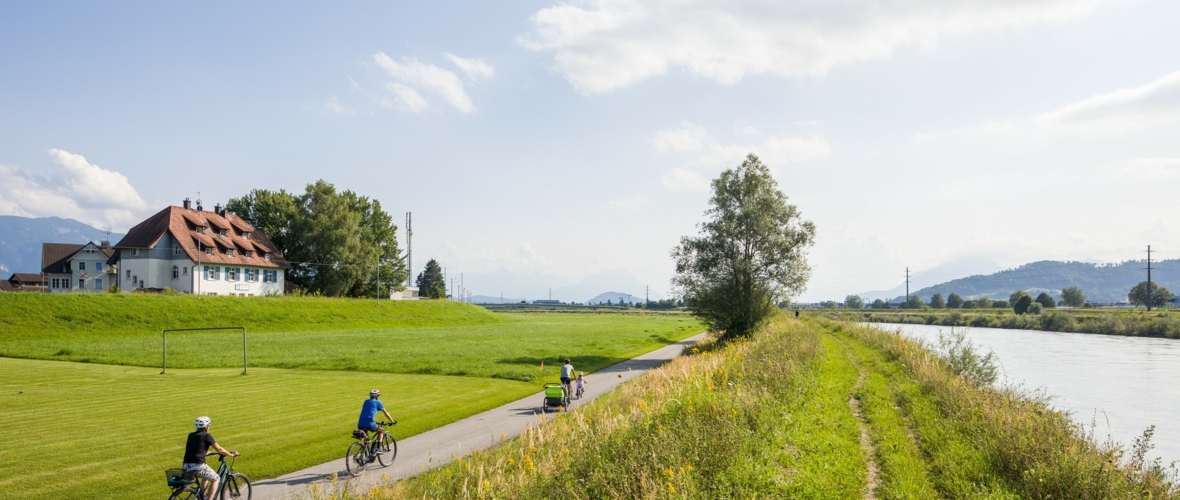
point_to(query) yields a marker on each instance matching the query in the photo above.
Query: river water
(1133, 382)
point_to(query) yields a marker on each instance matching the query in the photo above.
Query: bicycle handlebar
(387, 424)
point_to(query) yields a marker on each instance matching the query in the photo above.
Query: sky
(568, 138)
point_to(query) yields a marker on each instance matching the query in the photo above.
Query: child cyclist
(580, 384)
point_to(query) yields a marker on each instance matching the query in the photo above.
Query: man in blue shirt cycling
(369, 410)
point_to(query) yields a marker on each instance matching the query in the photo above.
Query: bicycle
(368, 449)
(186, 486)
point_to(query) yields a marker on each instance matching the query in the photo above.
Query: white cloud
(705, 152)
(427, 78)
(601, 45)
(1142, 170)
(475, 69)
(75, 189)
(407, 98)
(333, 105)
(1156, 103)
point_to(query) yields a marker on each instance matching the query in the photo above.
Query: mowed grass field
(74, 430)
(86, 413)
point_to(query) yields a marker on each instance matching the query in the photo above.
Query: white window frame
(176, 250)
(98, 267)
(81, 283)
(175, 272)
(98, 283)
(81, 265)
(229, 252)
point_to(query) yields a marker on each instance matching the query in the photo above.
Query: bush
(1034, 308)
(960, 354)
(980, 321)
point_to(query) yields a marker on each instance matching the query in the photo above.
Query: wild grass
(72, 430)
(1127, 322)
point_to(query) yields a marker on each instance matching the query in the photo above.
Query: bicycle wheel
(387, 450)
(236, 486)
(355, 459)
(186, 493)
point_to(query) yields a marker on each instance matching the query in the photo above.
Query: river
(1135, 381)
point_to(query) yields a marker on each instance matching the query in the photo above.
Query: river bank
(1163, 323)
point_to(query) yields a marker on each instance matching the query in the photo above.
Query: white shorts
(202, 471)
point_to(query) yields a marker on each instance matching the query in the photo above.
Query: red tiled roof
(182, 223)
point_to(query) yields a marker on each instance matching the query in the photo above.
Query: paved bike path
(437, 447)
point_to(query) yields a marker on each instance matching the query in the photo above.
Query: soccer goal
(164, 350)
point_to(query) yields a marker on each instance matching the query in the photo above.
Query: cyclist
(195, 451)
(567, 374)
(580, 383)
(369, 410)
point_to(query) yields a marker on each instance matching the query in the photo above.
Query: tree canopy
(1073, 297)
(1139, 295)
(936, 301)
(431, 283)
(337, 242)
(1046, 301)
(1022, 302)
(914, 302)
(954, 301)
(749, 254)
(854, 302)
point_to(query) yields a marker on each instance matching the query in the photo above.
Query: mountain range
(21, 239)
(1103, 283)
(533, 286)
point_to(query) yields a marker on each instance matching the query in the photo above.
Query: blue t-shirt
(369, 413)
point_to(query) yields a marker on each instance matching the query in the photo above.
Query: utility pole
(409, 252)
(462, 289)
(550, 294)
(646, 295)
(907, 286)
(1149, 294)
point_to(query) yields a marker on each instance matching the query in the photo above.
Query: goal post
(164, 349)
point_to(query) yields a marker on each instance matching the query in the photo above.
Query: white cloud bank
(601, 45)
(74, 188)
(705, 153)
(1154, 104)
(413, 78)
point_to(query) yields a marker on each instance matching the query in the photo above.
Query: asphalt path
(433, 448)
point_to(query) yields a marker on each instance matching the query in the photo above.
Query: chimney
(188, 204)
(219, 210)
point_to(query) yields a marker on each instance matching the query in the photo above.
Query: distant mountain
(1100, 282)
(531, 286)
(967, 266)
(488, 299)
(616, 298)
(21, 239)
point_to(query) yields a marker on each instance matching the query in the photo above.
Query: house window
(267, 256)
(175, 250)
(208, 250)
(81, 266)
(98, 266)
(128, 274)
(134, 281)
(81, 283)
(55, 283)
(200, 229)
(222, 232)
(245, 236)
(229, 252)
(134, 252)
(186, 270)
(249, 254)
(98, 284)
(175, 272)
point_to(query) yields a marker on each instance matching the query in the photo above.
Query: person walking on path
(195, 451)
(567, 375)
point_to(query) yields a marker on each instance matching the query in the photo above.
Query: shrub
(1034, 308)
(980, 321)
(960, 354)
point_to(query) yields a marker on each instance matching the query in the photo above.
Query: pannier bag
(178, 477)
(358, 434)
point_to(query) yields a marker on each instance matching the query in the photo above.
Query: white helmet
(374, 393)
(203, 422)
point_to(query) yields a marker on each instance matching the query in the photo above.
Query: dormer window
(245, 236)
(267, 256)
(230, 252)
(222, 232)
(249, 254)
(208, 250)
(200, 229)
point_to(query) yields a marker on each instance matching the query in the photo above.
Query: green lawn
(73, 430)
(107, 424)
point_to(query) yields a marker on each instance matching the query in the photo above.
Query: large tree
(1159, 295)
(430, 281)
(954, 301)
(337, 242)
(914, 302)
(854, 302)
(1046, 301)
(750, 253)
(936, 301)
(1073, 297)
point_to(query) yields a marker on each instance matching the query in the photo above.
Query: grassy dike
(803, 409)
(1127, 322)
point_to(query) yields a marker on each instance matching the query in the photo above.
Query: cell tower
(409, 252)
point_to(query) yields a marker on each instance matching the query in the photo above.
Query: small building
(192, 250)
(409, 293)
(24, 282)
(70, 267)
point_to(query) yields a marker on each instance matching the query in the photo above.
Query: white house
(197, 251)
(71, 267)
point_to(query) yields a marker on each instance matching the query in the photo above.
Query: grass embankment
(92, 430)
(781, 416)
(1127, 322)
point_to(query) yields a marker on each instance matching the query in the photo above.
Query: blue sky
(569, 138)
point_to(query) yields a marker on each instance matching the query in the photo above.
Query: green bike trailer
(555, 397)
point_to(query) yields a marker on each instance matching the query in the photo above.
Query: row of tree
(337, 242)
(1020, 301)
